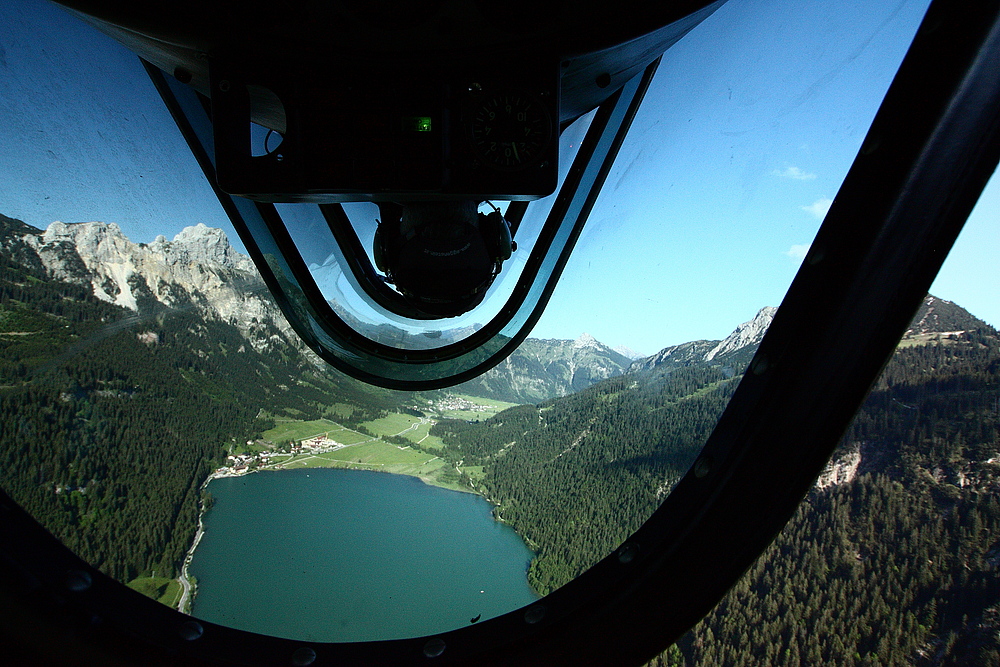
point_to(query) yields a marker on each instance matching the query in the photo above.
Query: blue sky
(723, 181)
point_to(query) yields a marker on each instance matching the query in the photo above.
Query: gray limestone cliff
(197, 269)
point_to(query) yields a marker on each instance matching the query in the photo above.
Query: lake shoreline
(209, 605)
(190, 589)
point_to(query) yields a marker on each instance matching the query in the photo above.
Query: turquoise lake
(351, 555)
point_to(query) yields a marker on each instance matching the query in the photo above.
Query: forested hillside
(576, 475)
(542, 369)
(893, 562)
(900, 565)
(112, 418)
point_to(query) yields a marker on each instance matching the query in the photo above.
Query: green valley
(113, 419)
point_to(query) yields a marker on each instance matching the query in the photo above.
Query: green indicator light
(417, 123)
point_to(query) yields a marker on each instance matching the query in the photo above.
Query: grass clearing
(161, 589)
(431, 442)
(365, 453)
(392, 424)
(379, 453)
(284, 431)
(341, 409)
(475, 473)
(499, 406)
(381, 456)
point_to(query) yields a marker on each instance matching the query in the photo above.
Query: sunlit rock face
(730, 351)
(745, 335)
(197, 269)
(541, 369)
(841, 469)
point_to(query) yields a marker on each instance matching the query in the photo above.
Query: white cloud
(798, 251)
(818, 208)
(795, 174)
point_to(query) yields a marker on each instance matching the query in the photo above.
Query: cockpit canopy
(302, 133)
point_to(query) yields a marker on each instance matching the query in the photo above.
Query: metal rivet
(303, 656)
(702, 467)
(224, 85)
(627, 552)
(78, 581)
(930, 27)
(871, 144)
(816, 255)
(759, 365)
(279, 157)
(534, 614)
(603, 80)
(191, 630)
(434, 647)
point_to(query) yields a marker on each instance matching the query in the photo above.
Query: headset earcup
(380, 250)
(506, 243)
(496, 235)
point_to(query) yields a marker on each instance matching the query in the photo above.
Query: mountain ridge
(197, 269)
(200, 269)
(541, 369)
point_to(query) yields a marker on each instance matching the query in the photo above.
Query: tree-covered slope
(576, 475)
(542, 369)
(112, 418)
(898, 566)
(892, 560)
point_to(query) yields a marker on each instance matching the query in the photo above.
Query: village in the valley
(266, 455)
(241, 464)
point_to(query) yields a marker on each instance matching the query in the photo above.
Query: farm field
(161, 589)
(367, 452)
(301, 430)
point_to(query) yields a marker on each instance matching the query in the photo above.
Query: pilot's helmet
(439, 258)
(444, 272)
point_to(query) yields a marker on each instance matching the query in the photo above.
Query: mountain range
(892, 558)
(198, 269)
(541, 369)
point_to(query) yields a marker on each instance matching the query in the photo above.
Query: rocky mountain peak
(746, 334)
(938, 316)
(100, 240)
(203, 244)
(585, 340)
(197, 268)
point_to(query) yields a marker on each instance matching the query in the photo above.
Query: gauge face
(510, 130)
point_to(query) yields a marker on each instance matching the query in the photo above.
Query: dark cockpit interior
(410, 180)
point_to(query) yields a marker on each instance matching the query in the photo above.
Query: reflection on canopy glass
(146, 369)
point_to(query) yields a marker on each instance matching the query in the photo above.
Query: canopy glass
(707, 211)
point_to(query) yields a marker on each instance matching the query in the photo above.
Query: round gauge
(510, 130)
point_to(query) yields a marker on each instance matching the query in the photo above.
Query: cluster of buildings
(320, 443)
(243, 463)
(457, 403)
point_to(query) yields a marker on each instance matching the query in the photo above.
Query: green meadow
(301, 430)
(392, 424)
(161, 589)
(363, 452)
